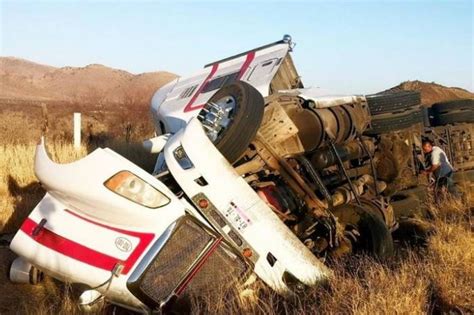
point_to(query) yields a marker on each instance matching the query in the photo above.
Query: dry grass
(19, 194)
(100, 122)
(19, 188)
(450, 262)
(435, 278)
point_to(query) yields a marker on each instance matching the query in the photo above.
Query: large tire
(451, 112)
(245, 120)
(407, 205)
(394, 123)
(412, 231)
(420, 191)
(392, 102)
(375, 237)
(463, 116)
(425, 116)
(449, 106)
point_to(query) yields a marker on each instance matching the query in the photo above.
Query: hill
(25, 80)
(114, 103)
(432, 92)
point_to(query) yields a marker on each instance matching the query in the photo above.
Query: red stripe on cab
(83, 253)
(190, 107)
(246, 65)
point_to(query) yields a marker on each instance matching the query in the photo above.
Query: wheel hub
(217, 116)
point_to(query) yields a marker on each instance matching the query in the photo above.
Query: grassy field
(26, 121)
(438, 277)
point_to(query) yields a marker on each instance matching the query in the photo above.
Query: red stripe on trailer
(246, 65)
(83, 253)
(190, 107)
(248, 60)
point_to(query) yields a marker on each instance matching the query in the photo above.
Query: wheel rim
(217, 116)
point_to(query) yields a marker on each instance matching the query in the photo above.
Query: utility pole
(77, 130)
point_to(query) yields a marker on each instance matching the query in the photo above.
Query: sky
(343, 46)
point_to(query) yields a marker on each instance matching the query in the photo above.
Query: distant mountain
(432, 92)
(25, 80)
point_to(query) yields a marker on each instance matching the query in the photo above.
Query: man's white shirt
(438, 157)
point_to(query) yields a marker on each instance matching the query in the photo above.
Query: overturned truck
(256, 174)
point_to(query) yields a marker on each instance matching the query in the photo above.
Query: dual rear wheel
(232, 117)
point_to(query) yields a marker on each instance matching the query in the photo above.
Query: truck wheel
(406, 205)
(394, 122)
(458, 111)
(462, 116)
(232, 117)
(449, 106)
(392, 102)
(420, 192)
(367, 231)
(413, 231)
(425, 116)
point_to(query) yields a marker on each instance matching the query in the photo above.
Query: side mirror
(156, 144)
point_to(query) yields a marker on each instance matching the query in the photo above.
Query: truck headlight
(132, 187)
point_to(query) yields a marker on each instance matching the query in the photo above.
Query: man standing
(439, 165)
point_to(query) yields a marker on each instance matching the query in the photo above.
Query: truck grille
(175, 259)
(222, 269)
